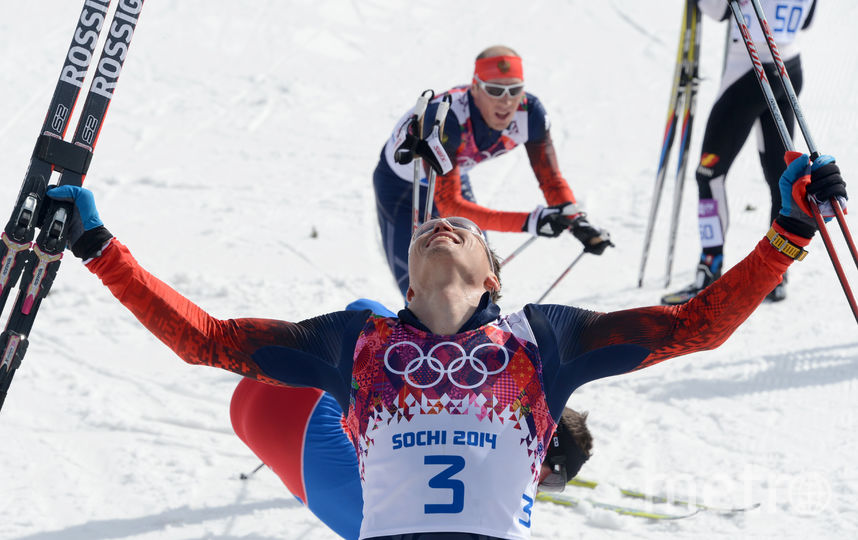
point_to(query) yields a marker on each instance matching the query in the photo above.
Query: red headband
(499, 67)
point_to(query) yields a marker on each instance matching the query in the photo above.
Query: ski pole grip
(420, 107)
(441, 113)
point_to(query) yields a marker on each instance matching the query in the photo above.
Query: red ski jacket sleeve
(309, 352)
(579, 346)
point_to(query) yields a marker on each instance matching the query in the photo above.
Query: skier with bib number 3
(310, 450)
(450, 406)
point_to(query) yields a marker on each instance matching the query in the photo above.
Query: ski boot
(708, 270)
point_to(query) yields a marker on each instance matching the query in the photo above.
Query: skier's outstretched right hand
(86, 233)
(822, 180)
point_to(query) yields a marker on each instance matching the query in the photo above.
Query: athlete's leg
(331, 471)
(298, 433)
(729, 123)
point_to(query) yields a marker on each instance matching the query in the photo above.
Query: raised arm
(315, 352)
(543, 161)
(593, 345)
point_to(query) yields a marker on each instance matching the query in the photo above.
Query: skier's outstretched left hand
(86, 233)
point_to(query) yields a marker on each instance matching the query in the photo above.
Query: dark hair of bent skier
(571, 444)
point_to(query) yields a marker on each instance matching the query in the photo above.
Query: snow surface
(236, 163)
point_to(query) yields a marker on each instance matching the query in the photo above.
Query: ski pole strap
(62, 154)
(785, 246)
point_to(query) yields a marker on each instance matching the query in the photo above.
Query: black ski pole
(560, 278)
(246, 476)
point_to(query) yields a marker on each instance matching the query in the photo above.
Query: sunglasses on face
(455, 222)
(497, 91)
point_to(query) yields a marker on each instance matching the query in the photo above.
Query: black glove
(434, 154)
(826, 183)
(407, 137)
(551, 221)
(595, 240)
(404, 154)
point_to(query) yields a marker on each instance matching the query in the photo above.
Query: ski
(19, 231)
(36, 264)
(565, 499)
(688, 84)
(659, 499)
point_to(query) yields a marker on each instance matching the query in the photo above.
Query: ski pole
(435, 137)
(689, 97)
(518, 250)
(785, 79)
(246, 476)
(416, 126)
(783, 75)
(785, 136)
(841, 220)
(835, 260)
(667, 142)
(563, 275)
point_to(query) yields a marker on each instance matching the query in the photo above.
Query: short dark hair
(572, 443)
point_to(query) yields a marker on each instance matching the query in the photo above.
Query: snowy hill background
(236, 163)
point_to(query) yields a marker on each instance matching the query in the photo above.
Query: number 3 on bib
(444, 480)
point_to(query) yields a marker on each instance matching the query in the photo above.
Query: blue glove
(85, 230)
(822, 180)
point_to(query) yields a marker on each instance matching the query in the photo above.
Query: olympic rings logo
(477, 365)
